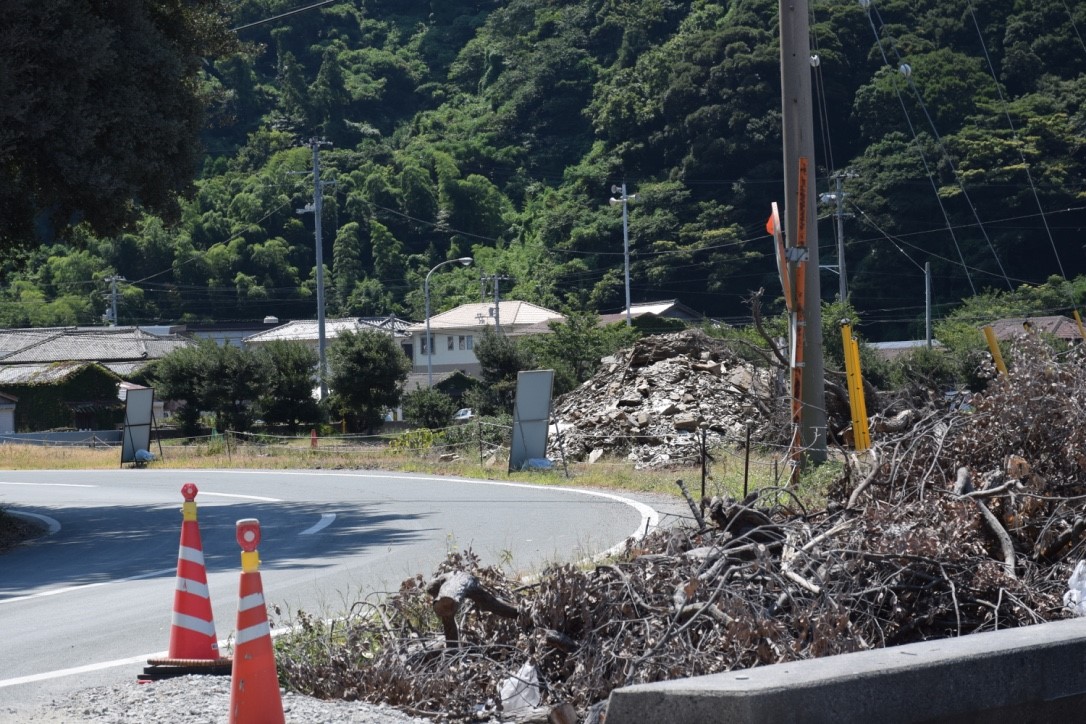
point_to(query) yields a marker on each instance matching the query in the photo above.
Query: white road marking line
(48, 485)
(69, 589)
(243, 497)
(87, 668)
(324, 522)
(45, 675)
(649, 517)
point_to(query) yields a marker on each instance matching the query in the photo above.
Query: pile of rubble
(653, 401)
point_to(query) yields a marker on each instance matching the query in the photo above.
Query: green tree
(347, 263)
(286, 392)
(575, 347)
(222, 380)
(501, 358)
(179, 376)
(234, 377)
(428, 407)
(367, 373)
(100, 110)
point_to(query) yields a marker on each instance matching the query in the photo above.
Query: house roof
(897, 348)
(671, 308)
(307, 330)
(45, 373)
(89, 344)
(1057, 326)
(514, 316)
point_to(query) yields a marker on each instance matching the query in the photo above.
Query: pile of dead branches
(967, 521)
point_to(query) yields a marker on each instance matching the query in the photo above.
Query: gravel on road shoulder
(191, 700)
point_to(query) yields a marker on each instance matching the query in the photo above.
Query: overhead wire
(1014, 134)
(1073, 25)
(947, 157)
(920, 150)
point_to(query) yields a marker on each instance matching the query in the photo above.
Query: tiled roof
(512, 314)
(90, 344)
(677, 310)
(307, 330)
(1057, 326)
(40, 374)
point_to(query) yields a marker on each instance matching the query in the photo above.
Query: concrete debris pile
(652, 401)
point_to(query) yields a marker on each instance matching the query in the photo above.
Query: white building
(453, 334)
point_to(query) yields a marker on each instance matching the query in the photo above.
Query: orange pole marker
(192, 633)
(254, 689)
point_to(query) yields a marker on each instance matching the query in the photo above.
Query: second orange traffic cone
(192, 635)
(254, 686)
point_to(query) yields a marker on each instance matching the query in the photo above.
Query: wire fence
(707, 454)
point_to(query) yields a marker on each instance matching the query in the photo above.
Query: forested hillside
(496, 129)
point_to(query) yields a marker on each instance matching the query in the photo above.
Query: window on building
(463, 342)
(471, 342)
(424, 348)
(452, 343)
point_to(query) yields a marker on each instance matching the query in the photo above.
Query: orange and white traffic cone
(254, 687)
(192, 635)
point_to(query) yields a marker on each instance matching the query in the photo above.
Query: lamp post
(623, 199)
(465, 260)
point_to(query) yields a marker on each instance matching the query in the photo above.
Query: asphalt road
(91, 601)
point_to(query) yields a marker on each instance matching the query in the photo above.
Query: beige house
(453, 334)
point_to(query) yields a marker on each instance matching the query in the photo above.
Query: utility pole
(315, 208)
(498, 279)
(838, 200)
(113, 297)
(800, 218)
(624, 199)
(927, 302)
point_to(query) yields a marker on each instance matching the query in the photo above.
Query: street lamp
(465, 260)
(624, 199)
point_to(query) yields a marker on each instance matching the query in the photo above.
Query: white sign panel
(531, 415)
(138, 406)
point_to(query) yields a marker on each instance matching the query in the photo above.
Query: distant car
(463, 414)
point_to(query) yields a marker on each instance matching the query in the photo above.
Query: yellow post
(860, 438)
(861, 400)
(1078, 321)
(993, 347)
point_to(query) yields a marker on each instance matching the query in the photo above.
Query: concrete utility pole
(498, 279)
(838, 200)
(927, 302)
(113, 297)
(315, 208)
(624, 199)
(800, 217)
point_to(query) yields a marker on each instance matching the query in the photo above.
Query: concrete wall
(1032, 674)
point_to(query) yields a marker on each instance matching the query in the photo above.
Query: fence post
(704, 465)
(746, 463)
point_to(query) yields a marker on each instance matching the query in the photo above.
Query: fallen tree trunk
(449, 591)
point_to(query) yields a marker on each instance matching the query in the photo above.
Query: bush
(429, 408)
(419, 440)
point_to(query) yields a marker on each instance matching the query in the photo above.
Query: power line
(919, 148)
(1014, 134)
(282, 15)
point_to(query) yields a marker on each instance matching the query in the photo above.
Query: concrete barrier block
(1030, 674)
